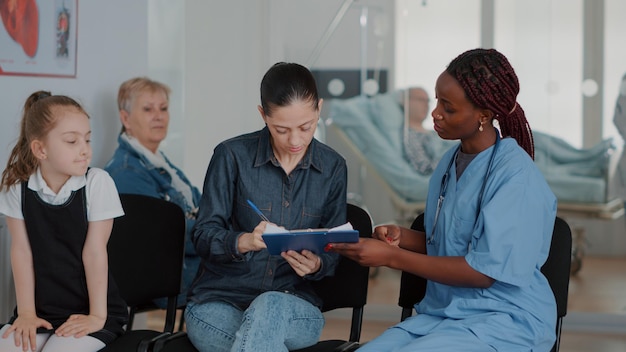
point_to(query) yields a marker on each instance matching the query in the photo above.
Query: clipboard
(312, 239)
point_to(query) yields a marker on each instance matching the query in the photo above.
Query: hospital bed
(371, 129)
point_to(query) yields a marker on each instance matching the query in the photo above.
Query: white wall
(166, 64)
(7, 288)
(224, 61)
(426, 44)
(231, 44)
(614, 62)
(112, 39)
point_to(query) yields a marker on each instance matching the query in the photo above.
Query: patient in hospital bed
(422, 147)
(379, 128)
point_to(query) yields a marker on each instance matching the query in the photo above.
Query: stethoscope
(444, 186)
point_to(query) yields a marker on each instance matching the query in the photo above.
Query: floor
(596, 308)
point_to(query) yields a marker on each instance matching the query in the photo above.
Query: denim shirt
(313, 195)
(134, 174)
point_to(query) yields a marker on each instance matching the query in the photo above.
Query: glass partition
(614, 64)
(166, 57)
(564, 83)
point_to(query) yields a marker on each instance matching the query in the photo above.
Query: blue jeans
(274, 321)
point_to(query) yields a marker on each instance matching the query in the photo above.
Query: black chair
(412, 287)
(556, 269)
(146, 252)
(346, 289)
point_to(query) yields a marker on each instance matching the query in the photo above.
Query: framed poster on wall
(38, 37)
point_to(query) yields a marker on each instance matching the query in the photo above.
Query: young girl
(60, 215)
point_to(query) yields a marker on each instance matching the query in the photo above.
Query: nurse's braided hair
(490, 83)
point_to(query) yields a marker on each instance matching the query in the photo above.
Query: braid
(490, 83)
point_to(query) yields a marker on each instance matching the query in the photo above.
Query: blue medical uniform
(508, 240)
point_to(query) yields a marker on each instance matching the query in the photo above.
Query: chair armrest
(347, 346)
(160, 343)
(146, 345)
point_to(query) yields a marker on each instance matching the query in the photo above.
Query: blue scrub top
(508, 241)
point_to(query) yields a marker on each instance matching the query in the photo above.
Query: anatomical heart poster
(38, 37)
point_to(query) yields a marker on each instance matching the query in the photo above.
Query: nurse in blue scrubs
(489, 219)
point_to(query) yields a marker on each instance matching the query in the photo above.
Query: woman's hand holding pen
(252, 241)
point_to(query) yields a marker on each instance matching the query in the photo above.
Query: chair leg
(181, 324)
(131, 319)
(557, 343)
(579, 247)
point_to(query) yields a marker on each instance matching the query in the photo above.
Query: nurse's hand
(367, 252)
(304, 263)
(252, 241)
(388, 233)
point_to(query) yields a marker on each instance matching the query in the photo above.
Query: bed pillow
(387, 115)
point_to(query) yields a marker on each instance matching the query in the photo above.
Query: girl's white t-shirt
(103, 201)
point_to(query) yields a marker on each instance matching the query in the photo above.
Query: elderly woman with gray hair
(139, 167)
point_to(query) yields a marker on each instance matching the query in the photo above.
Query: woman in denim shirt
(139, 167)
(245, 299)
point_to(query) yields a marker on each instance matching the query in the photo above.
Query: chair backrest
(556, 269)
(146, 251)
(412, 287)
(348, 287)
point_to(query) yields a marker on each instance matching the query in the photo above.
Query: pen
(258, 211)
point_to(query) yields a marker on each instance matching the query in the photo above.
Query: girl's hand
(79, 325)
(24, 330)
(304, 263)
(388, 233)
